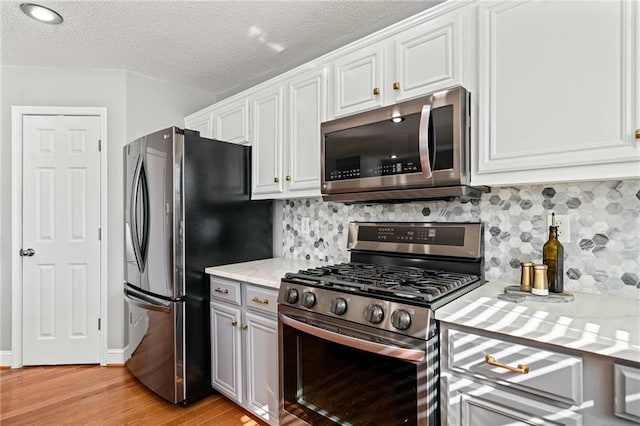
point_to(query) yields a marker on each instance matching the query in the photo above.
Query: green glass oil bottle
(553, 257)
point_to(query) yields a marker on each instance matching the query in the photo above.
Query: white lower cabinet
(261, 365)
(471, 404)
(244, 346)
(226, 350)
(627, 392)
(489, 379)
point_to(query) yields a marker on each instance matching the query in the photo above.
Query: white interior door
(61, 220)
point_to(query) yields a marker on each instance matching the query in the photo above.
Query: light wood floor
(93, 395)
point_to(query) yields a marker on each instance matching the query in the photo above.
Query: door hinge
(99, 234)
(99, 323)
(99, 145)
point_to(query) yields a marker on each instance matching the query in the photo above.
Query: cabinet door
(266, 141)
(226, 375)
(557, 98)
(231, 121)
(627, 392)
(357, 80)
(261, 346)
(307, 101)
(467, 404)
(430, 56)
(200, 122)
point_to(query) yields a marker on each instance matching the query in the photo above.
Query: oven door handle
(353, 342)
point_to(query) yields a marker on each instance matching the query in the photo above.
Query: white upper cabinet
(285, 135)
(305, 110)
(431, 56)
(425, 55)
(358, 79)
(200, 121)
(231, 120)
(558, 92)
(266, 136)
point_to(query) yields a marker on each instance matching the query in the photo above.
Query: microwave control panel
(361, 168)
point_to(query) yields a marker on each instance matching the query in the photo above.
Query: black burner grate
(386, 281)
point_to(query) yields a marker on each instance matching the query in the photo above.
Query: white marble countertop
(592, 323)
(266, 272)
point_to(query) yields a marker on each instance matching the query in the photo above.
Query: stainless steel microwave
(419, 149)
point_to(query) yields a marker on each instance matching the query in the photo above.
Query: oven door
(414, 144)
(338, 373)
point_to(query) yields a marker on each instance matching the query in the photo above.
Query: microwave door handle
(423, 141)
(353, 342)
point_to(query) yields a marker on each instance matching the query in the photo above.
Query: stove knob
(401, 319)
(374, 314)
(339, 306)
(308, 299)
(292, 296)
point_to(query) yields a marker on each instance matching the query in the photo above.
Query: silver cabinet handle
(27, 253)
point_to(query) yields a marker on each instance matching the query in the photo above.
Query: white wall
(136, 105)
(154, 105)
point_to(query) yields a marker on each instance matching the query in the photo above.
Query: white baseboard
(117, 356)
(114, 356)
(5, 358)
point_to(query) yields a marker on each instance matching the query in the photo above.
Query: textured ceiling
(218, 46)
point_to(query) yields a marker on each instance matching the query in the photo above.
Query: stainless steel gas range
(358, 342)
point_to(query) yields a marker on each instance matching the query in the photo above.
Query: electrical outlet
(564, 227)
(304, 228)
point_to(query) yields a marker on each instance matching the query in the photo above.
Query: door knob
(28, 252)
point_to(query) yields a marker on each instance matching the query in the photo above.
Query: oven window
(329, 384)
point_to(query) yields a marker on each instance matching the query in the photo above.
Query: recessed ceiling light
(41, 13)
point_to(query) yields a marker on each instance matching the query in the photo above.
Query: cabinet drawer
(627, 389)
(262, 299)
(223, 289)
(550, 374)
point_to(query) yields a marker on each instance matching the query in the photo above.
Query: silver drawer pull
(521, 368)
(262, 302)
(221, 290)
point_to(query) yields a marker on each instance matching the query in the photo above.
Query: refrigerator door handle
(140, 247)
(146, 211)
(146, 302)
(133, 212)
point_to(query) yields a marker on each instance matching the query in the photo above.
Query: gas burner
(398, 282)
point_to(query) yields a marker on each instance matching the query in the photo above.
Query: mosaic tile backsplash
(603, 256)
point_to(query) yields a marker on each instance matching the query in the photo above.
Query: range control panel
(453, 239)
(448, 236)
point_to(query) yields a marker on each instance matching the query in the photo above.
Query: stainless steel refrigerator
(187, 206)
